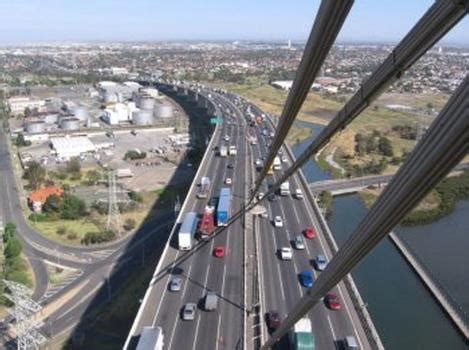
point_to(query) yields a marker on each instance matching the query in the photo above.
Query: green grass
(79, 227)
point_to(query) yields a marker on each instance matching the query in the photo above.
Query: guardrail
(202, 165)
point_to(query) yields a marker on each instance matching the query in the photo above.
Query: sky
(29, 21)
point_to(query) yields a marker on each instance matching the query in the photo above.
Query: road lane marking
(196, 332)
(332, 328)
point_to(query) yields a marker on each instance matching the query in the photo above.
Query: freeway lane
(328, 326)
(201, 271)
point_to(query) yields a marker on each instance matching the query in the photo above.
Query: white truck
(232, 150)
(285, 189)
(277, 164)
(151, 339)
(204, 187)
(223, 151)
(302, 337)
(187, 231)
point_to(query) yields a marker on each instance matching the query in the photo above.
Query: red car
(273, 320)
(309, 233)
(332, 301)
(219, 252)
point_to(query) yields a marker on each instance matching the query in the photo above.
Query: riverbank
(439, 203)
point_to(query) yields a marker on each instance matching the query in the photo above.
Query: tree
(13, 248)
(35, 174)
(72, 207)
(93, 176)
(52, 204)
(385, 147)
(73, 166)
(21, 141)
(9, 231)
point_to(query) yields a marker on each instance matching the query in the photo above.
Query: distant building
(282, 84)
(37, 198)
(19, 103)
(68, 147)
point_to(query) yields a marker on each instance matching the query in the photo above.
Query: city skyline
(142, 20)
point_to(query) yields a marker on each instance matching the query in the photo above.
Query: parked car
(228, 181)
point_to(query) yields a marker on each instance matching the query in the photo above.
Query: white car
(286, 253)
(228, 181)
(284, 159)
(260, 195)
(298, 193)
(227, 138)
(278, 222)
(298, 242)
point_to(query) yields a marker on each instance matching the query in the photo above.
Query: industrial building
(18, 104)
(68, 147)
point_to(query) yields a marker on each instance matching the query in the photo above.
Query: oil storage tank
(81, 113)
(163, 110)
(147, 103)
(142, 117)
(35, 126)
(70, 123)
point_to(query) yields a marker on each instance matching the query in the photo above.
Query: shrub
(98, 237)
(72, 207)
(129, 224)
(13, 248)
(72, 235)
(52, 204)
(39, 217)
(61, 230)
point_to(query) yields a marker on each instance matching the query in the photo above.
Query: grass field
(78, 227)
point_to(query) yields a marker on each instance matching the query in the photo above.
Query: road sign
(215, 120)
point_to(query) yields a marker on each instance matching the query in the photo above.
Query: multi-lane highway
(201, 271)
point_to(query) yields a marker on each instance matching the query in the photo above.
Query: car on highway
(309, 233)
(278, 222)
(306, 278)
(320, 262)
(219, 251)
(350, 343)
(332, 301)
(286, 253)
(299, 193)
(175, 284)
(260, 195)
(226, 138)
(284, 159)
(230, 166)
(228, 181)
(272, 197)
(298, 242)
(273, 320)
(188, 312)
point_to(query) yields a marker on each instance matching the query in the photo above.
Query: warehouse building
(68, 147)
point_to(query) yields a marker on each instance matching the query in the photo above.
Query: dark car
(230, 166)
(272, 197)
(273, 320)
(332, 301)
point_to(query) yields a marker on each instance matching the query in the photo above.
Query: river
(404, 312)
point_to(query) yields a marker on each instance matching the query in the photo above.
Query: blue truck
(223, 209)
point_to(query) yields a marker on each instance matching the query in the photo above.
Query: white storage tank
(147, 103)
(51, 118)
(35, 126)
(110, 97)
(163, 111)
(142, 117)
(70, 123)
(81, 113)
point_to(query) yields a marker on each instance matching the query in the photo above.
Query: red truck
(206, 224)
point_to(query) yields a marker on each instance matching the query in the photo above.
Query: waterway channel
(404, 312)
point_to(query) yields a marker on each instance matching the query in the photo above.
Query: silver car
(175, 284)
(188, 312)
(298, 242)
(320, 262)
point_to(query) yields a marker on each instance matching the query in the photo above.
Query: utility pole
(113, 218)
(23, 312)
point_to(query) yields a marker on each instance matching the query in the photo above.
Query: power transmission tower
(24, 310)
(113, 217)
